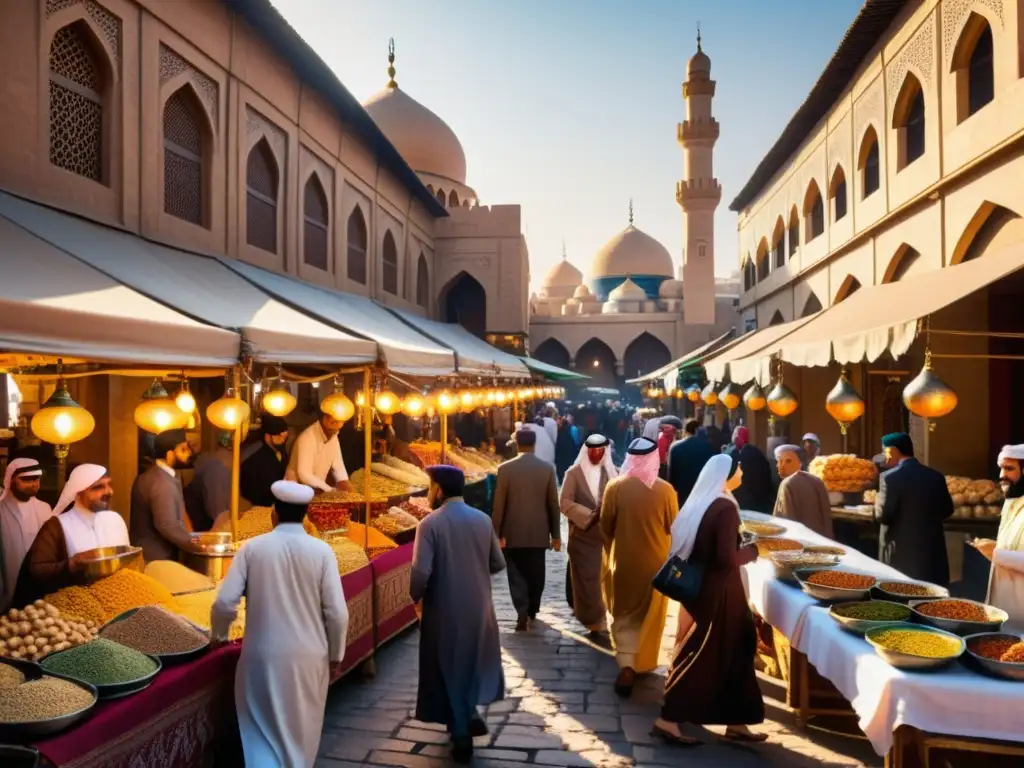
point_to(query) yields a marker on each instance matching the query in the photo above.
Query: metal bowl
(212, 563)
(786, 563)
(755, 517)
(935, 591)
(212, 541)
(34, 729)
(831, 594)
(167, 659)
(997, 617)
(106, 561)
(1008, 670)
(860, 626)
(902, 660)
(117, 690)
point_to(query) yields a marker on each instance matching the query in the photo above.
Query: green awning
(552, 372)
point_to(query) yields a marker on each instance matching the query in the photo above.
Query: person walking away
(264, 461)
(668, 433)
(1006, 579)
(21, 517)
(157, 522)
(711, 680)
(802, 496)
(811, 448)
(757, 492)
(454, 556)
(636, 520)
(580, 502)
(527, 523)
(208, 496)
(912, 504)
(543, 446)
(565, 449)
(295, 630)
(686, 458)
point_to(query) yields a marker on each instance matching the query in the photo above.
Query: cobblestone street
(560, 709)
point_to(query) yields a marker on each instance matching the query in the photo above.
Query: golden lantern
(229, 412)
(677, 393)
(927, 395)
(754, 397)
(185, 401)
(709, 394)
(500, 398)
(467, 402)
(157, 412)
(781, 401)
(526, 394)
(387, 402)
(61, 421)
(478, 397)
(413, 405)
(447, 403)
(490, 396)
(843, 403)
(693, 393)
(279, 400)
(338, 406)
(729, 397)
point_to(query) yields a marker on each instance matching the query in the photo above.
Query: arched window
(849, 286)
(777, 319)
(868, 165)
(779, 244)
(974, 67)
(794, 231)
(389, 265)
(77, 87)
(814, 212)
(837, 193)
(763, 263)
(184, 177)
(908, 120)
(356, 254)
(315, 218)
(749, 274)
(441, 197)
(811, 306)
(422, 282)
(261, 183)
(453, 199)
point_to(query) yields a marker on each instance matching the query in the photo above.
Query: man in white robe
(1006, 579)
(21, 517)
(296, 625)
(544, 448)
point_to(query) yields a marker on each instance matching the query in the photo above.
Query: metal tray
(167, 659)
(117, 690)
(831, 594)
(1008, 670)
(909, 661)
(34, 729)
(860, 626)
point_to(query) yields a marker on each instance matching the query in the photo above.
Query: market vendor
(84, 522)
(811, 446)
(264, 461)
(208, 496)
(21, 517)
(1006, 580)
(802, 496)
(316, 457)
(158, 517)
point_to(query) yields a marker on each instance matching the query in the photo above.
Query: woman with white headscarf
(580, 502)
(711, 680)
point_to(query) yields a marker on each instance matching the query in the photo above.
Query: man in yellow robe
(637, 511)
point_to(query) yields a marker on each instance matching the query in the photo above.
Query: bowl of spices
(825, 549)
(787, 562)
(859, 617)
(155, 631)
(911, 646)
(34, 704)
(114, 669)
(834, 584)
(997, 653)
(905, 591)
(765, 547)
(959, 616)
(763, 530)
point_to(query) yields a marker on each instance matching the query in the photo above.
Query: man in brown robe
(802, 496)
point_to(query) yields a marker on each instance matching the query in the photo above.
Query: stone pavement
(560, 709)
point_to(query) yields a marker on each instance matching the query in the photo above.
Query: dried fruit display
(844, 473)
(350, 556)
(40, 629)
(429, 454)
(380, 486)
(974, 499)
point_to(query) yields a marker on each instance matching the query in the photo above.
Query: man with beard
(208, 496)
(158, 501)
(1006, 580)
(21, 517)
(264, 462)
(83, 521)
(455, 554)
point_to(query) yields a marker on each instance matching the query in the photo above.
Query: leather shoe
(462, 750)
(522, 624)
(625, 682)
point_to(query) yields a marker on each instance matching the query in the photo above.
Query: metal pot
(212, 561)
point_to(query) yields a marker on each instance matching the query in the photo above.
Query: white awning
(743, 361)
(401, 347)
(53, 304)
(473, 355)
(200, 287)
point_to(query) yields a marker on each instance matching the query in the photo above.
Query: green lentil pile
(156, 631)
(101, 662)
(872, 611)
(42, 699)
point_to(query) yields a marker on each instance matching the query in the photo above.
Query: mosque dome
(699, 63)
(582, 292)
(671, 289)
(628, 291)
(630, 252)
(563, 275)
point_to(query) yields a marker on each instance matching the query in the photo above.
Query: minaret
(700, 193)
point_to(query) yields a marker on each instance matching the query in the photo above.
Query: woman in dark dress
(711, 680)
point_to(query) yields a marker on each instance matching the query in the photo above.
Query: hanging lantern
(61, 421)
(781, 401)
(677, 393)
(478, 397)
(927, 395)
(729, 397)
(526, 394)
(843, 403)
(447, 403)
(387, 402)
(157, 412)
(693, 393)
(754, 397)
(338, 405)
(229, 412)
(709, 394)
(279, 400)
(185, 401)
(500, 397)
(413, 405)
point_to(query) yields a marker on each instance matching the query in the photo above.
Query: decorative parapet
(694, 191)
(693, 130)
(698, 88)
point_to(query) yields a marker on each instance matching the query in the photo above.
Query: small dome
(562, 275)
(631, 252)
(582, 292)
(671, 289)
(699, 64)
(628, 291)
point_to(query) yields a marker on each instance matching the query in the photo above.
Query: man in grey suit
(527, 521)
(158, 504)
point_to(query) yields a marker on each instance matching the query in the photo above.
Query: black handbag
(679, 579)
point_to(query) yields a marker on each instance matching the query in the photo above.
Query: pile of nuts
(40, 630)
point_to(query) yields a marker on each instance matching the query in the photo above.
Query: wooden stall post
(444, 437)
(236, 445)
(369, 668)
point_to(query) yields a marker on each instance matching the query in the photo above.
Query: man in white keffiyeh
(21, 517)
(1006, 579)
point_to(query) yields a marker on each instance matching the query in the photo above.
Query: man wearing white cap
(83, 521)
(812, 447)
(1006, 580)
(296, 624)
(21, 517)
(802, 496)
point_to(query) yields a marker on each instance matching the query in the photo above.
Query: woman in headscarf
(580, 502)
(711, 680)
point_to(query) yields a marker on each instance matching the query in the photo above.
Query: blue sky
(569, 107)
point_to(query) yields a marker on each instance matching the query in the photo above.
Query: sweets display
(766, 546)
(404, 472)
(803, 559)
(155, 630)
(974, 499)
(844, 473)
(39, 630)
(417, 506)
(763, 529)
(43, 699)
(840, 580)
(956, 610)
(101, 662)
(872, 611)
(930, 645)
(428, 454)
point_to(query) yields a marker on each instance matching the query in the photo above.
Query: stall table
(394, 609)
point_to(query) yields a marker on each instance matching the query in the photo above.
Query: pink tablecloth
(358, 587)
(394, 606)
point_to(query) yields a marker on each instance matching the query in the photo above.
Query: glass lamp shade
(413, 405)
(62, 421)
(781, 401)
(843, 403)
(229, 412)
(184, 400)
(754, 397)
(500, 398)
(467, 401)
(339, 406)
(526, 394)
(709, 394)
(729, 397)
(693, 393)
(928, 396)
(447, 402)
(387, 402)
(279, 400)
(677, 394)
(157, 412)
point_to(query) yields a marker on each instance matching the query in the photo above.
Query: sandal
(670, 738)
(744, 738)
